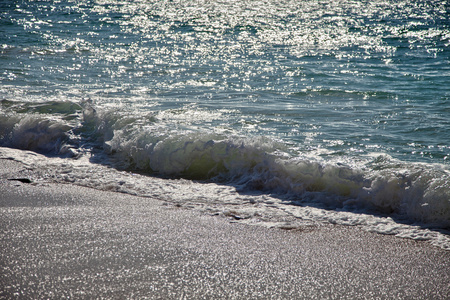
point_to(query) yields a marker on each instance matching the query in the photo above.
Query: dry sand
(64, 241)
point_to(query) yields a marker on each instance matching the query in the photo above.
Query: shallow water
(342, 105)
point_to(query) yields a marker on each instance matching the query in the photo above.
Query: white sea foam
(239, 203)
(254, 180)
(417, 192)
(420, 192)
(33, 132)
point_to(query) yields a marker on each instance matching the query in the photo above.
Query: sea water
(275, 113)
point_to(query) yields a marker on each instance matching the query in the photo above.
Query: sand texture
(65, 241)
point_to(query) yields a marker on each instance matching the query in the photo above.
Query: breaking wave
(153, 145)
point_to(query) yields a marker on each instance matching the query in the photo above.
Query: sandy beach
(64, 241)
(225, 149)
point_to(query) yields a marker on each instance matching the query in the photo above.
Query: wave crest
(415, 191)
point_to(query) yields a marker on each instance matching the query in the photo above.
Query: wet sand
(64, 241)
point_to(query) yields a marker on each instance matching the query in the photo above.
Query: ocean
(273, 113)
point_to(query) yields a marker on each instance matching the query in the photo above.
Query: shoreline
(61, 240)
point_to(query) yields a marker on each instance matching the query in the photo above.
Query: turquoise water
(346, 76)
(348, 99)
